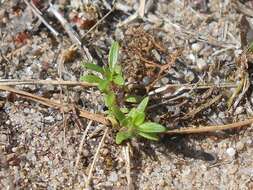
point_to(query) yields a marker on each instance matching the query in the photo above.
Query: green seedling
(132, 122)
(112, 74)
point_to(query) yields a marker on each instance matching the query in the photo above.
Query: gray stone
(201, 64)
(196, 47)
(113, 177)
(231, 152)
(49, 119)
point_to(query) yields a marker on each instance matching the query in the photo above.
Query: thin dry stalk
(50, 103)
(95, 159)
(142, 8)
(181, 31)
(202, 107)
(192, 86)
(35, 11)
(242, 8)
(81, 144)
(128, 19)
(98, 22)
(126, 150)
(70, 31)
(195, 130)
(13, 82)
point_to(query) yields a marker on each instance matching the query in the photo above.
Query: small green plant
(132, 123)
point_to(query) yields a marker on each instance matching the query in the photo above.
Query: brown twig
(142, 8)
(13, 82)
(81, 145)
(126, 151)
(98, 22)
(202, 107)
(95, 159)
(192, 86)
(50, 103)
(35, 11)
(242, 8)
(70, 31)
(206, 129)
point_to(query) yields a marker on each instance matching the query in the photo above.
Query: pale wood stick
(50, 103)
(95, 159)
(35, 11)
(13, 82)
(206, 129)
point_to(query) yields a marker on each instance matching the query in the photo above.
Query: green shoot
(132, 122)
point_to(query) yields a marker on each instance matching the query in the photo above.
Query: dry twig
(126, 151)
(70, 31)
(35, 11)
(50, 103)
(81, 144)
(242, 8)
(98, 22)
(14, 82)
(142, 8)
(207, 129)
(95, 159)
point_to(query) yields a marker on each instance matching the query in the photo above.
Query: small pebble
(196, 47)
(50, 87)
(146, 80)
(165, 80)
(231, 152)
(192, 57)
(156, 55)
(239, 110)
(58, 117)
(8, 122)
(119, 34)
(189, 76)
(113, 177)
(239, 146)
(201, 64)
(3, 138)
(49, 119)
(104, 152)
(27, 110)
(221, 115)
(85, 153)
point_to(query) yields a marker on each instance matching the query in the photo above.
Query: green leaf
(132, 112)
(93, 67)
(138, 118)
(124, 110)
(122, 136)
(108, 74)
(150, 136)
(109, 99)
(91, 79)
(118, 69)
(131, 99)
(119, 80)
(117, 113)
(113, 56)
(104, 85)
(142, 106)
(126, 122)
(151, 127)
